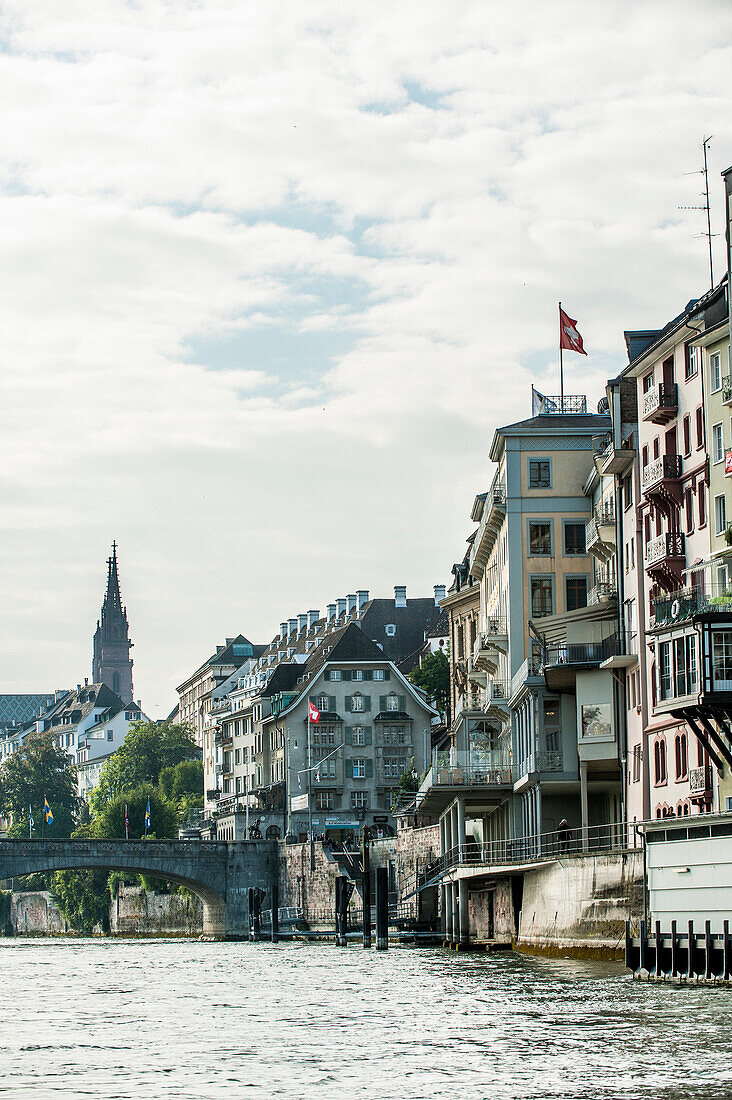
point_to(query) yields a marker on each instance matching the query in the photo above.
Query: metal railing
(662, 397)
(700, 780)
(663, 468)
(477, 768)
(580, 653)
(727, 388)
(499, 495)
(556, 404)
(499, 691)
(530, 669)
(667, 545)
(707, 599)
(542, 846)
(540, 762)
(603, 590)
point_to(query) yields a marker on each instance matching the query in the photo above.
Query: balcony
(540, 762)
(563, 660)
(493, 516)
(497, 697)
(707, 599)
(661, 403)
(528, 675)
(489, 644)
(662, 479)
(601, 593)
(610, 459)
(600, 532)
(665, 559)
(727, 389)
(700, 782)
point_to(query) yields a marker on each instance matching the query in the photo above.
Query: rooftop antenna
(705, 195)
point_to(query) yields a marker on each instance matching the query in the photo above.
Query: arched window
(681, 755)
(700, 754)
(115, 682)
(659, 758)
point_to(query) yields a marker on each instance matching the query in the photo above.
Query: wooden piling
(366, 889)
(275, 926)
(382, 909)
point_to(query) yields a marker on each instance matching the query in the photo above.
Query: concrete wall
(137, 912)
(581, 902)
(34, 913)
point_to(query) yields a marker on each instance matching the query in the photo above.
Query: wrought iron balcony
(665, 548)
(706, 599)
(661, 403)
(600, 532)
(726, 388)
(603, 590)
(661, 476)
(700, 781)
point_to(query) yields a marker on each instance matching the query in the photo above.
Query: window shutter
(367, 735)
(367, 702)
(348, 703)
(327, 674)
(349, 735)
(402, 702)
(387, 674)
(369, 769)
(331, 702)
(368, 674)
(382, 702)
(346, 674)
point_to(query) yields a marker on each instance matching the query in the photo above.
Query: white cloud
(173, 175)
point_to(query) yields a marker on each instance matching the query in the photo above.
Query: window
(689, 510)
(390, 630)
(647, 381)
(542, 596)
(693, 357)
(394, 735)
(358, 735)
(357, 674)
(659, 759)
(326, 769)
(720, 514)
(637, 761)
(680, 753)
(687, 434)
(237, 756)
(324, 800)
(574, 538)
(715, 371)
(721, 658)
(701, 494)
(628, 490)
(644, 455)
(358, 702)
(335, 674)
(576, 592)
(717, 443)
(393, 766)
(322, 703)
(665, 670)
(540, 538)
(110, 735)
(378, 674)
(359, 800)
(699, 428)
(358, 765)
(540, 473)
(324, 735)
(392, 702)
(685, 660)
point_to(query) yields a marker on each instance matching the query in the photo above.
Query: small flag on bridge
(31, 822)
(47, 811)
(147, 814)
(127, 825)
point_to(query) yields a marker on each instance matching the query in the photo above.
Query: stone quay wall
(139, 912)
(35, 913)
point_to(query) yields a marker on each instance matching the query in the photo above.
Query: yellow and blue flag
(147, 814)
(47, 812)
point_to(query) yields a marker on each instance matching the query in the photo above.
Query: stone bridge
(219, 872)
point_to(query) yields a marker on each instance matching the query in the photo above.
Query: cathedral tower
(111, 661)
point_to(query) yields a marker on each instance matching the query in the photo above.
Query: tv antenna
(705, 195)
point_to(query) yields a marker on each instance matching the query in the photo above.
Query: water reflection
(187, 1019)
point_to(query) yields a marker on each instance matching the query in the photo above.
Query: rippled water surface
(118, 1019)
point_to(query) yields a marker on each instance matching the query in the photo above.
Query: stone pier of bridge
(219, 872)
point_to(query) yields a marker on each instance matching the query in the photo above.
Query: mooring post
(275, 893)
(252, 921)
(341, 910)
(366, 889)
(382, 909)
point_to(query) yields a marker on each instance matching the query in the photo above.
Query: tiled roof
(20, 709)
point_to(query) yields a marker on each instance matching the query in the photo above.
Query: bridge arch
(201, 866)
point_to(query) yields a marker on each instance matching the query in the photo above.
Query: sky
(271, 275)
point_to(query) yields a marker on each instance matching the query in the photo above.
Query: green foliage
(83, 896)
(148, 749)
(40, 769)
(163, 817)
(433, 676)
(6, 898)
(182, 785)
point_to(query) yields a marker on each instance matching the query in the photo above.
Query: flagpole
(561, 363)
(310, 797)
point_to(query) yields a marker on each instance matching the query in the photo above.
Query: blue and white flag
(147, 814)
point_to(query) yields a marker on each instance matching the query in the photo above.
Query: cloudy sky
(271, 274)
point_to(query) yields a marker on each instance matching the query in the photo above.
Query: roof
(441, 626)
(557, 423)
(18, 710)
(708, 304)
(79, 704)
(411, 622)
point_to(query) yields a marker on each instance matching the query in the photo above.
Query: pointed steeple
(111, 661)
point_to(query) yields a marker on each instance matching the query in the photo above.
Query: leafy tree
(148, 748)
(83, 896)
(38, 770)
(433, 676)
(182, 786)
(163, 818)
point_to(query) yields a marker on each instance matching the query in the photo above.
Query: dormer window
(390, 630)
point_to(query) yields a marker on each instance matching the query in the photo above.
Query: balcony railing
(727, 388)
(472, 768)
(700, 780)
(540, 762)
(499, 691)
(595, 838)
(664, 546)
(556, 404)
(529, 670)
(663, 468)
(661, 402)
(706, 599)
(603, 590)
(580, 653)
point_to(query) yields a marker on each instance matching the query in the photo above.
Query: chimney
(400, 595)
(283, 629)
(313, 616)
(363, 598)
(86, 681)
(331, 612)
(440, 591)
(341, 607)
(352, 598)
(292, 623)
(302, 622)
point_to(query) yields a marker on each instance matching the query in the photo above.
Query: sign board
(728, 464)
(339, 823)
(381, 819)
(299, 802)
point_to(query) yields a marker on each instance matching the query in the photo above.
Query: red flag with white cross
(569, 337)
(313, 712)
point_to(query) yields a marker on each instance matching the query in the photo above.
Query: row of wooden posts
(343, 892)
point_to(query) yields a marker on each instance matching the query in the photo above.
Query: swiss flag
(313, 712)
(569, 338)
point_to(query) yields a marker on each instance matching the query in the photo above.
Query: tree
(163, 817)
(83, 896)
(433, 676)
(148, 748)
(182, 785)
(38, 770)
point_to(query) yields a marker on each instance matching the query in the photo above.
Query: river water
(138, 1019)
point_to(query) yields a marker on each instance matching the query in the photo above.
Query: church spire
(111, 660)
